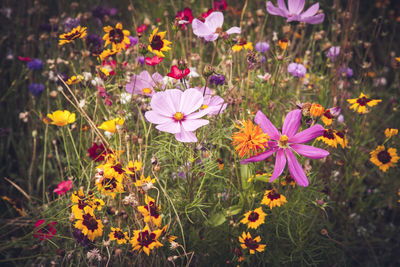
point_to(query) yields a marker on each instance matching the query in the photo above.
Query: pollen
(283, 141)
(178, 116)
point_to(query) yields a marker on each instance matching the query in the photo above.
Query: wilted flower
(295, 11)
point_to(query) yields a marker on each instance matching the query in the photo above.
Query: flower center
(157, 43)
(153, 209)
(116, 36)
(251, 244)
(283, 141)
(253, 217)
(273, 195)
(119, 235)
(384, 157)
(363, 101)
(204, 106)
(90, 222)
(146, 90)
(146, 238)
(178, 116)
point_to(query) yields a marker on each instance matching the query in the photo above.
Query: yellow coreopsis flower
(119, 235)
(89, 225)
(117, 36)
(242, 44)
(246, 241)
(60, 118)
(383, 158)
(273, 199)
(151, 212)
(112, 125)
(389, 132)
(146, 240)
(254, 218)
(158, 44)
(75, 33)
(360, 104)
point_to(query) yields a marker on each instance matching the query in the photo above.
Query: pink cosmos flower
(212, 103)
(295, 11)
(212, 27)
(46, 232)
(63, 187)
(288, 141)
(174, 112)
(144, 84)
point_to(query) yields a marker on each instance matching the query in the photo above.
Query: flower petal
(295, 169)
(234, 30)
(311, 11)
(295, 6)
(260, 156)
(192, 125)
(310, 151)
(191, 100)
(211, 37)
(292, 123)
(157, 118)
(317, 19)
(275, 10)
(214, 21)
(266, 125)
(199, 29)
(170, 127)
(161, 105)
(280, 164)
(186, 137)
(307, 135)
(282, 6)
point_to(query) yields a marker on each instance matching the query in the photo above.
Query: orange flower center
(283, 141)
(146, 90)
(178, 116)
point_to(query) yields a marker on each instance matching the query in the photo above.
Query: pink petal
(173, 99)
(214, 21)
(191, 100)
(170, 127)
(157, 118)
(234, 30)
(295, 6)
(267, 126)
(310, 151)
(275, 10)
(199, 29)
(311, 11)
(317, 19)
(186, 137)
(192, 125)
(307, 135)
(157, 77)
(211, 37)
(197, 115)
(282, 6)
(292, 123)
(260, 156)
(295, 169)
(161, 103)
(280, 164)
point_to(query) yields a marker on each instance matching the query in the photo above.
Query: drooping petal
(214, 21)
(234, 30)
(260, 156)
(295, 6)
(170, 127)
(292, 123)
(310, 151)
(280, 164)
(317, 19)
(311, 11)
(307, 135)
(192, 125)
(191, 100)
(295, 169)
(199, 29)
(266, 125)
(186, 137)
(157, 118)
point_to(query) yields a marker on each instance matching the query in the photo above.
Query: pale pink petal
(199, 29)
(173, 98)
(186, 137)
(159, 104)
(280, 164)
(275, 10)
(157, 118)
(193, 125)
(295, 169)
(267, 126)
(260, 156)
(317, 19)
(310, 151)
(234, 30)
(211, 37)
(282, 6)
(191, 100)
(197, 115)
(307, 135)
(295, 6)
(311, 11)
(158, 78)
(214, 21)
(170, 127)
(292, 123)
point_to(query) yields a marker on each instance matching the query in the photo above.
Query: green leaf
(217, 219)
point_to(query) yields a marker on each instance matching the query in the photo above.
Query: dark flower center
(251, 244)
(157, 43)
(273, 195)
(146, 238)
(384, 157)
(153, 209)
(109, 184)
(118, 168)
(363, 101)
(340, 134)
(116, 36)
(329, 134)
(72, 35)
(90, 222)
(81, 204)
(253, 217)
(328, 114)
(119, 235)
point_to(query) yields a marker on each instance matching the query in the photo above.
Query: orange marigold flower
(316, 110)
(389, 132)
(250, 139)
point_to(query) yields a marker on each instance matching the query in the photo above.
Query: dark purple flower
(295, 11)
(297, 70)
(333, 53)
(95, 44)
(262, 47)
(99, 12)
(217, 79)
(80, 237)
(133, 40)
(140, 59)
(36, 88)
(71, 23)
(35, 64)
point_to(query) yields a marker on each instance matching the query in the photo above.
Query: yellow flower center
(146, 90)
(283, 141)
(204, 106)
(178, 116)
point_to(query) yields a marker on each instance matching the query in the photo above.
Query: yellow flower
(75, 33)
(143, 181)
(119, 235)
(158, 43)
(360, 104)
(106, 53)
(89, 225)
(145, 240)
(150, 211)
(283, 44)
(389, 132)
(272, 199)
(249, 139)
(327, 117)
(246, 241)
(109, 181)
(341, 139)
(329, 137)
(384, 159)
(289, 180)
(74, 79)
(242, 44)
(117, 36)
(397, 59)
(112, 125)
(254, 218)
(60, 118)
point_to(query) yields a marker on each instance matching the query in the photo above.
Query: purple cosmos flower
(297, 70)
(283, 143)
(262, 47)
(333, 53)
(294, 13)
(35, 64)
(212, 27)
(214, 104)
(345, 71)
(36, 88)
(144, 84)
(218, 79)
(174, 112)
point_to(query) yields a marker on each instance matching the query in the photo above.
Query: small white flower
(193, 73)
(264, 77)
(82, 103)
(87, 76)
(97, 81)
(125, 98)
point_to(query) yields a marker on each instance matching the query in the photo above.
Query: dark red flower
(45, 232)
(98, 152)
(153, 61)
(63, 187)
(220, 5)
(24, 59)
(141, 28)
(184, 17)
(177, 73)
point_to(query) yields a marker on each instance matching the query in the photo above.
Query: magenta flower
(44, 232)
(294, 13)
(212, 27)
(298, 70)
(63, 187)
(288, 141)
(144, 84)
(212, 103)
(174, 112)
